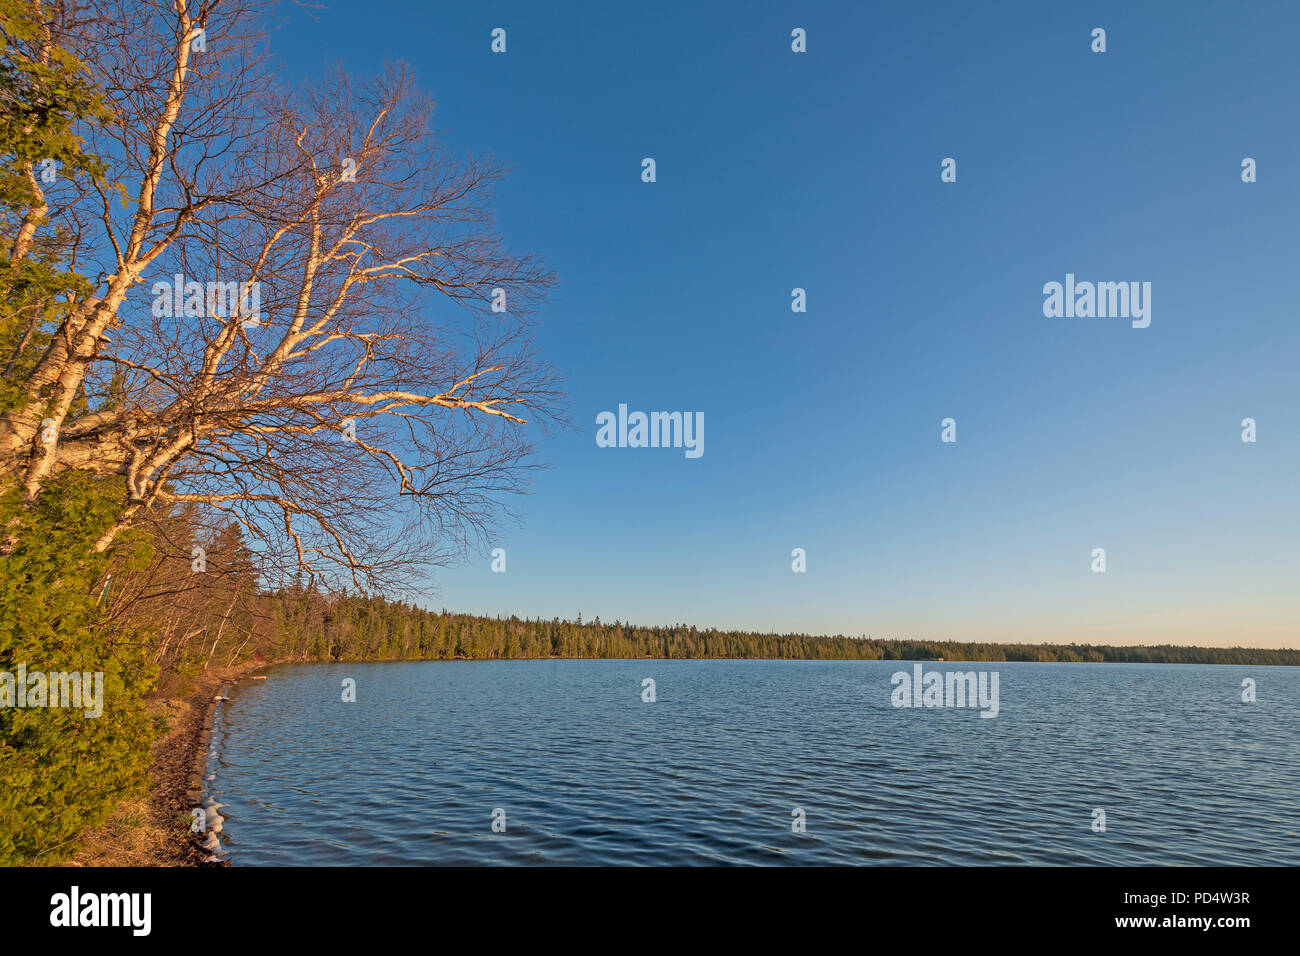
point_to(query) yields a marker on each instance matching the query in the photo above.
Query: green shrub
(61, 771)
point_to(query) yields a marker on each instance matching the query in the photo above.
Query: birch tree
(303, 319)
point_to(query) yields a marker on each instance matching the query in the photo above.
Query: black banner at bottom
(224, 906)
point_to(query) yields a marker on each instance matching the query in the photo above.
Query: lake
(581, 769)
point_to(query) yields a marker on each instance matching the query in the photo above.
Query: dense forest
(352, 628)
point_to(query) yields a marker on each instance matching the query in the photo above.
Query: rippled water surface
(588, 773)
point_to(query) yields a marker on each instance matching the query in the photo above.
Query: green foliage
(61, 771)
(314, 627)
(44, 95)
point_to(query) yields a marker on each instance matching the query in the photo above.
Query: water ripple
(589, 774)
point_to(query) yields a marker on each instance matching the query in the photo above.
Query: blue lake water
(712, 771)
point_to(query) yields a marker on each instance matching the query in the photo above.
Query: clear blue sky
(821, 171)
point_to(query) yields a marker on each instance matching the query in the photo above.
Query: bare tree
(305, 321)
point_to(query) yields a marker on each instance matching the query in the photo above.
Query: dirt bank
(153, 829)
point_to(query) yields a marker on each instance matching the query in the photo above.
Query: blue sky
(821, 170)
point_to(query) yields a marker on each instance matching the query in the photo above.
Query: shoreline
(152, 828)
(190, 764)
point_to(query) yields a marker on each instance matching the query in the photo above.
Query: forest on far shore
(313, 627)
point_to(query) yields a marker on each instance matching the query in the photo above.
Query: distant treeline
(311, 626)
